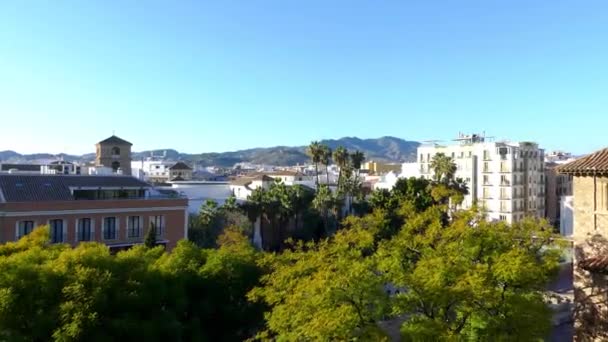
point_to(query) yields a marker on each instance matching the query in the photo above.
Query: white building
(505, 178)
(198, 192)
(566, 221)
(243, 186)
(153, 170)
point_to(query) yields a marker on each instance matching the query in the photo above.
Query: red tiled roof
(595, 264)
(594, 163)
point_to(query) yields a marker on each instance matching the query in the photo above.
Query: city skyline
(223, 77)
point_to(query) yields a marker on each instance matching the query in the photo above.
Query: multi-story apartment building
(505, 178)
(115, 210)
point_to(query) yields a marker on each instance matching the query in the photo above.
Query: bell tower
(114, 152)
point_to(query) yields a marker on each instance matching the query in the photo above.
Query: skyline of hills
(385, 148)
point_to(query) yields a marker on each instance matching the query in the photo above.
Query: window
(504, 180)
(486, 155)
(486, 167)
(421, 157)
(56, 226)
(486, 193)
(109, 228)
(115, 151)
(486, 180)
(83, 232)
(134, 227)
(24, 228)
(503, 217)
(453, 155)
(159, 224)
(115, 166)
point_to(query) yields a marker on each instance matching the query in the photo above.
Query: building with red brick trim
(115, 210)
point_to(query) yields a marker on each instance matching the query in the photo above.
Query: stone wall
(590, 240)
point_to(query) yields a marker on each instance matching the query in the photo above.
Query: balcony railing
(505, 183)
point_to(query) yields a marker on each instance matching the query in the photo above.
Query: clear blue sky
(204, 76)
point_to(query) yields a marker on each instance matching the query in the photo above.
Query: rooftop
(115, 140)
(180, 166)
(593, 164)
(37, 188)
(20, 167)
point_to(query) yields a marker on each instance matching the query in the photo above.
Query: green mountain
(389, 149)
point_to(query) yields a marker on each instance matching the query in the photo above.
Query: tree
(315, 151)
(150, 239)
(325, 158)
(357, 158)
(443, 168)
(323, 292)
(471, 279)
(323, 202)
(55, 292)
(230, 204)
(341, 159)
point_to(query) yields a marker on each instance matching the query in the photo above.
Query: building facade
(557, 186)
(379, 168)
(115, 210)
(590, 241)
(180, 172)
(505, 178)
(115, 153)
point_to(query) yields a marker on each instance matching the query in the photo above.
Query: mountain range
(388, 149)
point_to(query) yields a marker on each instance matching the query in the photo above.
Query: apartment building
(505, 178)
(115, 210)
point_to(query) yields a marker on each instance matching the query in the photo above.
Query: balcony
(504, 197)
(505, 170)
(505, 183)
(486, 170)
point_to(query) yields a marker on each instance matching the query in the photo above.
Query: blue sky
(204, 76)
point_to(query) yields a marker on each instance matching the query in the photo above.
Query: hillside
(381, 149)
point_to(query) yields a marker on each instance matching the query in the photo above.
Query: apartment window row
(85, 228)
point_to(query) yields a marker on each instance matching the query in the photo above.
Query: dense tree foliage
(212, 219)
(55, 292)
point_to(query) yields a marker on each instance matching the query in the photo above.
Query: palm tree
(341, 159)
(325, 157)
(443, 168)
(315, 152)
(254, 207)
(357, 158)
(230, 204)
(323, 202)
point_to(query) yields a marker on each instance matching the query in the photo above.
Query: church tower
(114, 152)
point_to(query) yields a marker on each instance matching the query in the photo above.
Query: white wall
(566, 217)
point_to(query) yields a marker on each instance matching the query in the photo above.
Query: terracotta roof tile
(594, 163)
(595, 264)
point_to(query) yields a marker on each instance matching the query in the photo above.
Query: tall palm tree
(315, 153)
(323, 202)
(325, 158)
(443, 167)
(357, 158)
(341, 159)
(254, 207)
